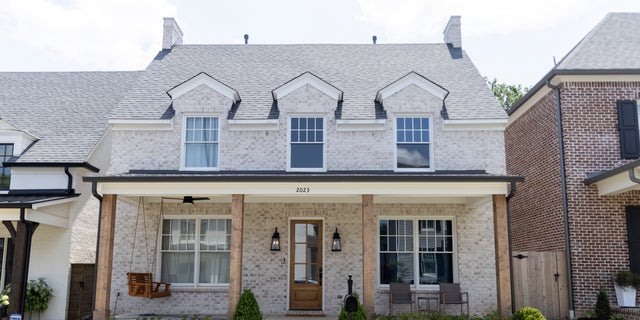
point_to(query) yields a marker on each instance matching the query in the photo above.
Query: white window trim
(431, 143)
(197, 252)
(416, 267)
(183, 145)
(324, 143)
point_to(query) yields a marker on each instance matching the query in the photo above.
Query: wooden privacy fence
(540, 281)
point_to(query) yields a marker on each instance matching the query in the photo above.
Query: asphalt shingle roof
(356, 69)
(67, 111)
(612, 44)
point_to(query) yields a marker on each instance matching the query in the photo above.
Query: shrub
(247, 307)
(358, 315)
(528, 313)
(626, 278)
(602, 310)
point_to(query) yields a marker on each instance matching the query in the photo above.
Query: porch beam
(235, 274)
(368, 251)
(501, 239)
(105, 257)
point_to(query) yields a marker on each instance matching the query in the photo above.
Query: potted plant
(626, 283)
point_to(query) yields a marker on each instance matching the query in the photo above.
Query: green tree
(507, 94)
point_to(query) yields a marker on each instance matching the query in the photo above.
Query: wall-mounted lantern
(335, 244)
(275, 241)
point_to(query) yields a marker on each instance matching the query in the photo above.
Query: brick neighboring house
(596, 87)
(53, 131)
(399, 148)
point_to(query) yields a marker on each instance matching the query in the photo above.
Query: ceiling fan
(188, 199)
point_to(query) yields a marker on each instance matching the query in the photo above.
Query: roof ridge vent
(172, 35)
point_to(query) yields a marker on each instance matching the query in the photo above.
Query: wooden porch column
(21, 256)
(368, 255)
(235, 273)
(105, 257)
(503, 260)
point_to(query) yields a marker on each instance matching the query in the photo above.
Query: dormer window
(413, 144)
(306, 144)
(6, 151)
(200, 151)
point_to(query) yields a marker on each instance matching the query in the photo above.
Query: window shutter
(628, 126)
(633, 237)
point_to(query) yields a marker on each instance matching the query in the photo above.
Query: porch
(357, 206)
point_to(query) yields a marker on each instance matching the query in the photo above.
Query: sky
(512, 41)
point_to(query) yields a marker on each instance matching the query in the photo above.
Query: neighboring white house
(53, 132)
(398, 148)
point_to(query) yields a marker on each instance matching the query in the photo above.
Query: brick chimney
(452, 32)
(172, 34)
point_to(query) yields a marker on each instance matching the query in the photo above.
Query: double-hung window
(6, 151)
(413, 143)
(306, 143)
(195, 251)
(201, 142)
(416, 251)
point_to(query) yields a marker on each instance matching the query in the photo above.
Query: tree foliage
(247, 307)
(507, 94)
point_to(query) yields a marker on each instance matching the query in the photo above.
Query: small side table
(427, 303)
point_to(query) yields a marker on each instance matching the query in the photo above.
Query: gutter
(565, 205)
(559, 72)
(94, 191)
(85, 165)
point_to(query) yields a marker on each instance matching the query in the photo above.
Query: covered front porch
(306, 209)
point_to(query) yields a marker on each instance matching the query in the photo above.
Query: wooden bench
(142, 285)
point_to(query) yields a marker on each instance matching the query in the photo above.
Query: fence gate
(540, 281)
(80, 291)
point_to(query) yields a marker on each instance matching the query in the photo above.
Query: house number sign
(303, 190)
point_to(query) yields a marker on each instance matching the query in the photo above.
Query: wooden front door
(305, 288)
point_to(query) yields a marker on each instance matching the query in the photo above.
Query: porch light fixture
(335, 244)
(275, 241)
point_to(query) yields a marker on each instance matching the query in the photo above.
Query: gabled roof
(204, 79)
(612, 47)
(307, 78)
(358, 70)
(411, 79)
(67, 111)
(611, 44)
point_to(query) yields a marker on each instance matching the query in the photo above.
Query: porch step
(305, 313)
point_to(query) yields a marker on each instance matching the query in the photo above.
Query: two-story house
(237, 166)
(52, 132)
(574, 137)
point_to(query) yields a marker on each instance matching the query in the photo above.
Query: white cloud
(88, 34)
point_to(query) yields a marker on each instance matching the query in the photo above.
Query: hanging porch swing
(141, 284)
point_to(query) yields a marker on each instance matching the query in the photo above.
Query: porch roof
(472, 188)
(9, 201)
(283, 176)
(617, 180)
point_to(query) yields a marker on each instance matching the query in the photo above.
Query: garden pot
(626, 296)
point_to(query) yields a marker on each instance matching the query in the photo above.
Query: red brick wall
(532, 151)
(597, 224)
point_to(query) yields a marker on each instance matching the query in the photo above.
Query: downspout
(565, 205)
(512, 192)
(94, 191)
(69, 180)
(632, 176)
